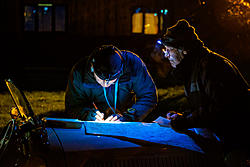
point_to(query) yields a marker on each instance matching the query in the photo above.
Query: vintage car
(29, 141)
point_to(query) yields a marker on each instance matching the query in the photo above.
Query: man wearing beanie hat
(215, 89)
(110, 85)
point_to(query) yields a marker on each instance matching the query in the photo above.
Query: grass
(43, 103)
(171, 99)
(46, 103)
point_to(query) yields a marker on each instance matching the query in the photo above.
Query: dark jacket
(135, 81)
(217, 94)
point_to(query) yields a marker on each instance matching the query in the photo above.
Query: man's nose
(105, 83)
(166, 54)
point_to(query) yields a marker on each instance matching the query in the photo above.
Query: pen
(99, 114)
(95, 106)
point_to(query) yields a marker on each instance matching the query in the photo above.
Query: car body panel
(67, 142)
(124, 144)
(55, 150)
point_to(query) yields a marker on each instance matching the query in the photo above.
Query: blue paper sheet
(151, 132)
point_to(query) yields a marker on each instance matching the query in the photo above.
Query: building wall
(105, 17)
(91, 23)
(97, 17)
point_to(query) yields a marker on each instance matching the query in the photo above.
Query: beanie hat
(181, 35)
(107, 62)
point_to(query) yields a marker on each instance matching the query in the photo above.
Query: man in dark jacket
(214, 87)
(110, 85)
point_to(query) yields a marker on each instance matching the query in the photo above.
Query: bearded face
(174, 55)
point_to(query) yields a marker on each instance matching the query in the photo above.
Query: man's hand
(113, 118)
(172, 115)
(99, 116)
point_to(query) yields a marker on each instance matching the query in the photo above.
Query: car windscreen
(20, 100)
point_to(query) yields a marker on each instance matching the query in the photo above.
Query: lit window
(29, 18)
(44, 18)
(151, 23)
(137, 22)
(161, 22)
(60, 18)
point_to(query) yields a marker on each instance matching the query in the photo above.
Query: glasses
(166, 50)
(104, 83)
(107, 77)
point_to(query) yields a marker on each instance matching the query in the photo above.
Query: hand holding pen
(99, 116)
(173, 115)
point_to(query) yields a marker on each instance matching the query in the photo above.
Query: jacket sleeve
(221, 95)
(145, 90)
(77, 104)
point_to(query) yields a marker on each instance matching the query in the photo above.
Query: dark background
(42, 60)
